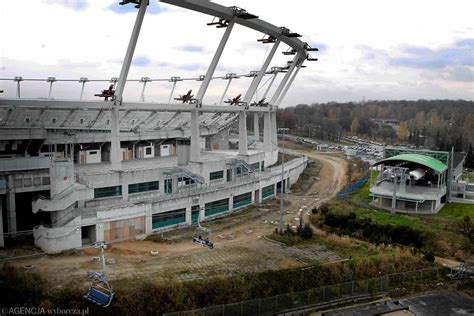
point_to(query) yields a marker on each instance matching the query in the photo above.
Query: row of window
(268, 191)
(242, 199)
(132, 188)
(216, 175)
(143, 187)
(175, 217)
(216, 207)
(155, 185)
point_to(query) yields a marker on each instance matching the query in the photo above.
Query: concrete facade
(100, 212)
(120, 199)
(124, 190)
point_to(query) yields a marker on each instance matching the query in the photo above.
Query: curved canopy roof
(426, 161)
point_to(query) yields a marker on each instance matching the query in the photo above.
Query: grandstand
(73, 172)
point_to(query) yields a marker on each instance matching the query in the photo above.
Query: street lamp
(281, 224)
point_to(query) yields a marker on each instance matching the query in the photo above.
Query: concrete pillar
(148, 221)
(11, 207)
(125, 191)
(202, 212)
(231, 202)
(99, 232)
(2, 242)
(256, 128)
(267, 138)
(243, 146)
(402, 185)
(195, 137)
(258, 196)
(188, 215)
(115, 151)
(174, 185)
(273, 130)
(394, 203)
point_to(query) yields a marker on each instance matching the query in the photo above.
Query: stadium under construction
(75, 172)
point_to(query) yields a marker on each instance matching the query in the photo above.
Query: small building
(415, 181)
(322, 147)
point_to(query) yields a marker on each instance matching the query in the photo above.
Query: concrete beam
(214, 9)
(285, 79)
(130, 51)
(214, 62)
(288, 85)
(256, 82)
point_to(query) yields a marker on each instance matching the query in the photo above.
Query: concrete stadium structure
(74, 172)
(419, 181)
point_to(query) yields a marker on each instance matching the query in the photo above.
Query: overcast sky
(372, 49)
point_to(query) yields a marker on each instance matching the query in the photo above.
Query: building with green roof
(416, 181)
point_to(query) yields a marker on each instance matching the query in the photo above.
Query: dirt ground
(239, 239)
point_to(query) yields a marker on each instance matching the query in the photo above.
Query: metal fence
(351, 188)
(337, 293)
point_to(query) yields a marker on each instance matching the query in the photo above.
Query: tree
(420, 120)
(355, 125)
(403, 131)
(468, 127)
(469, 163)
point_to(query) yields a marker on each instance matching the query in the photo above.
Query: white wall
(59, 238)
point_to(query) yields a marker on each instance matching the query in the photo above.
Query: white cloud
(70, 39)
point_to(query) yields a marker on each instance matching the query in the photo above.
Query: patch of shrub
(429, 256)
(305, 232)
(350, 224)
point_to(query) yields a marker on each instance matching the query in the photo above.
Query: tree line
(433, 124)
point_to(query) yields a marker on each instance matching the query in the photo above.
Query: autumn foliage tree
(434, 124)
(355, 125)
(403, 132)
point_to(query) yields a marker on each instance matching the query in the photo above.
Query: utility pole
(282, 194)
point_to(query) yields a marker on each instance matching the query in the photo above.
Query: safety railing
(24, 163)
(347, 190)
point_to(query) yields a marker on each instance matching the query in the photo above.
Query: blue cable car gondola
(100, 291)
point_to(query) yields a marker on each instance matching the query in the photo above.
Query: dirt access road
(240, 243)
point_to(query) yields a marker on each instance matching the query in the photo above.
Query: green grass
(457, 211)
(378, 216)
(363, 193)
(468, 174)
(384, 217)
(447, 239)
